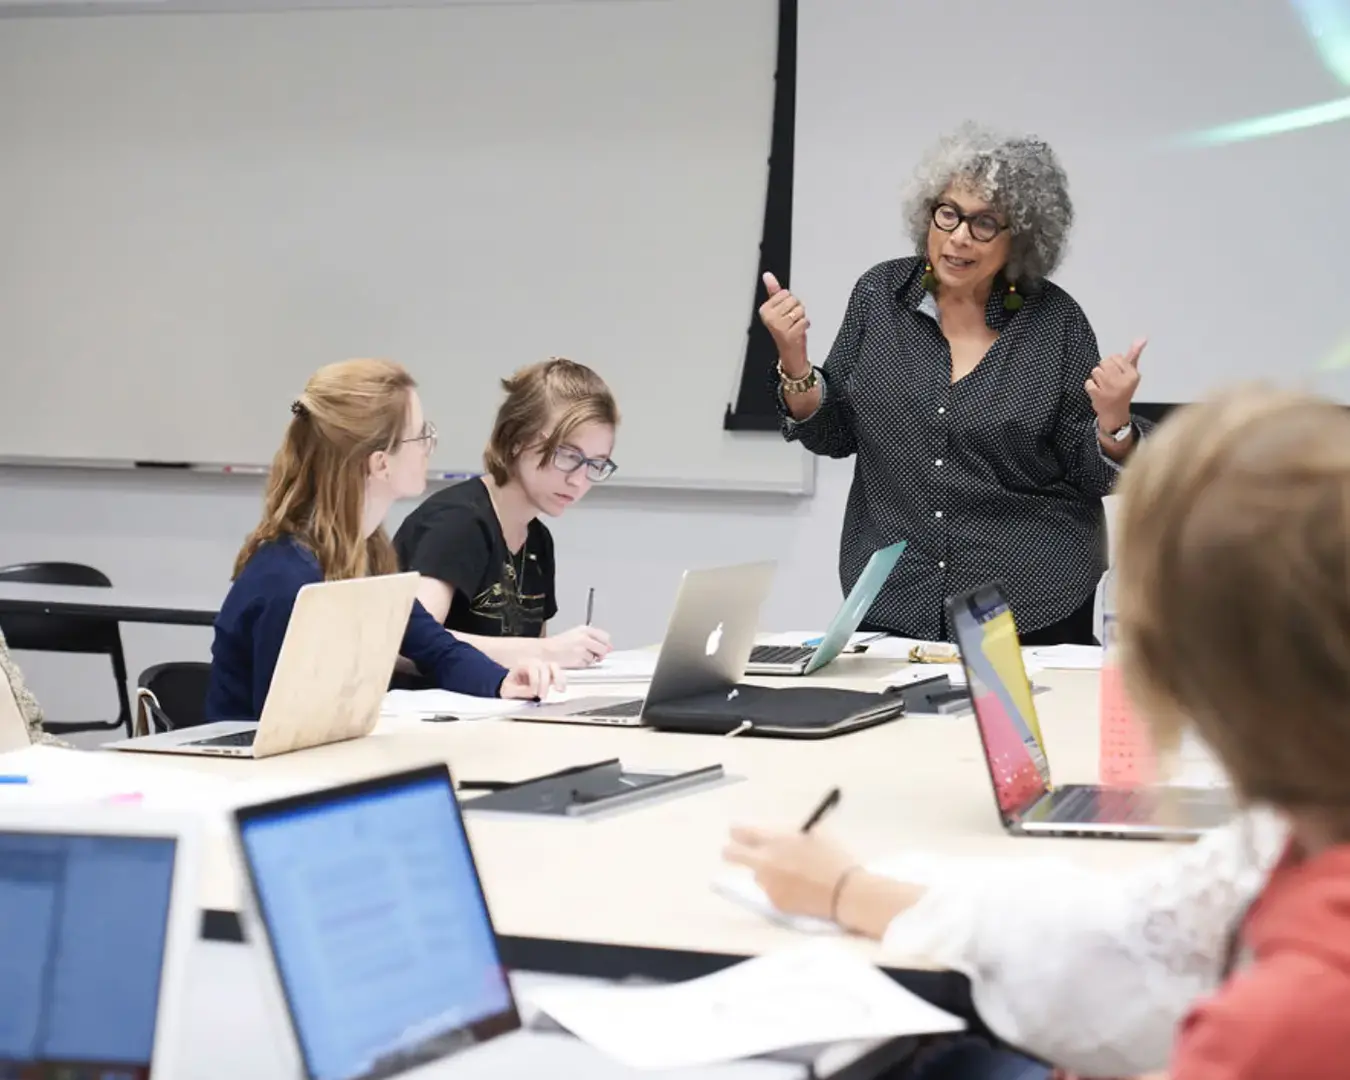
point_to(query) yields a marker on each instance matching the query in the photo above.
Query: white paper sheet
(620, 666)
(819, 992)
(416, 704)
(737, 884)
(1065, 657)
(71, 777)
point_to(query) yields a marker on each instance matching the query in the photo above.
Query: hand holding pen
(800, 872)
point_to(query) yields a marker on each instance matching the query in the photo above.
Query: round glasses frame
(982, 225)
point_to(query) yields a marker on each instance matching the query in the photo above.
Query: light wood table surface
(640, 878)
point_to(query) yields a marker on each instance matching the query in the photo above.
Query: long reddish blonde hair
(316, 489)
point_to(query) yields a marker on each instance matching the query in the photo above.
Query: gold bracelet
(796, 386)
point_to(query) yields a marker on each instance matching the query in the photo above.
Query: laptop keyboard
(1117, 807)
(620, 709)
(239, 738)
(781, 654)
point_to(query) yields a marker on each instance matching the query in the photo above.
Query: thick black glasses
(568, 459)
(983, 225)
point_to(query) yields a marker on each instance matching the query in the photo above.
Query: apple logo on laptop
(714, 641)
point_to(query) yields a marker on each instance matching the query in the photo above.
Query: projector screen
(1207, 145)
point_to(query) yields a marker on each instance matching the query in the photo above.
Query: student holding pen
(485, 557)
(356, 442)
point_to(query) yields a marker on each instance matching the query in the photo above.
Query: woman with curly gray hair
(986, 425)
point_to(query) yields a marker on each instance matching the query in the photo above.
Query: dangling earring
(929, 280)
(1013, 300)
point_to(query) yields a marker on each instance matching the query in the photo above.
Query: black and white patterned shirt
(997, 477)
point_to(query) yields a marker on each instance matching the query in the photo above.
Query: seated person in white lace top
(1090, 971)
(14, 693)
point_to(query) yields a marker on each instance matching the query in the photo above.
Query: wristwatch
(1121, 433)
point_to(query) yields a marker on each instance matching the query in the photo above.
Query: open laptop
(99, 910)
(804, 659)
(332, 673)
(707, 643)
(1027, 800)
(367, 912)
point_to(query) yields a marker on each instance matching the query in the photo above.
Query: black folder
(789, 712)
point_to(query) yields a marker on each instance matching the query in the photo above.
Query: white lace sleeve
(1091, 971)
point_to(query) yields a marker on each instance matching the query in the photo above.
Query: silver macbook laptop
(804, 659)
(98, 909)
(707, 643)
(370, 921)
(1027, 800)
(332, 674)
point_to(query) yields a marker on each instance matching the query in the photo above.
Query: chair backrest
(172, 696)
(69, 633)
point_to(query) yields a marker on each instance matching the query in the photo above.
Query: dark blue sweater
(252, 623)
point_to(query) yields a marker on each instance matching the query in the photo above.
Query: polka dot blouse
(998, 477)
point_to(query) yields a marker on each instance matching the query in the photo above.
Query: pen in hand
(827, 804)
(590, 605)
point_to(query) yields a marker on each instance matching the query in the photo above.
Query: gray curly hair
(1018, 175)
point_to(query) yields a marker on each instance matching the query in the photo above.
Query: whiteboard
(198, 210)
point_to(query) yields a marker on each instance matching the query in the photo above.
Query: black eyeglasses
(568, 459)
(428, 435)
(983, 225)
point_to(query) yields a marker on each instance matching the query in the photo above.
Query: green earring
(1013, 300)
(929, 279)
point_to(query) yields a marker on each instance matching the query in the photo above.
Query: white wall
(179, 533)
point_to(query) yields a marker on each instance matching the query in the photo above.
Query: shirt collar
(914, 296)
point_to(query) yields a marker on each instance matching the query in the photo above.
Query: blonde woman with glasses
(357, 442)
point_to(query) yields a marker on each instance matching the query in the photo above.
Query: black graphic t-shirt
(455, 537)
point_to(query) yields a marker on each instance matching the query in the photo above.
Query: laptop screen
(379, 930)
(1000, 693)
(83, 928)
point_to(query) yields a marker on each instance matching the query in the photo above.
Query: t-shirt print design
(505, 602)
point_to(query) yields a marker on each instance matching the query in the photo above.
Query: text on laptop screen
(378, 927)
(1001, 697)
(83, 927)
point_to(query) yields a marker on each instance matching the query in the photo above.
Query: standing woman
(985, 423)
(356, 443)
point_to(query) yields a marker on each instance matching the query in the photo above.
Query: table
(95, 602)
(630, 893)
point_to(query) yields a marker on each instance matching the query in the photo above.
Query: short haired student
(485, 558)
(357, 442)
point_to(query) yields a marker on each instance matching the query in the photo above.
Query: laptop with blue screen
(804, 659)
(366, 903)
(97, 911)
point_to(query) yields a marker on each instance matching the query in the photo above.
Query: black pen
(827, 804)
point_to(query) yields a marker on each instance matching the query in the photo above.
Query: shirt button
(938, 513)
(941, 409)
(938, 462)
(942, 564)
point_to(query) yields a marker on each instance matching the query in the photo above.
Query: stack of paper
(419, 704)
(811, 994)
(626, 666)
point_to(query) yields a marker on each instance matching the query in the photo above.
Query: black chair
(69, 633)
(172, 696)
